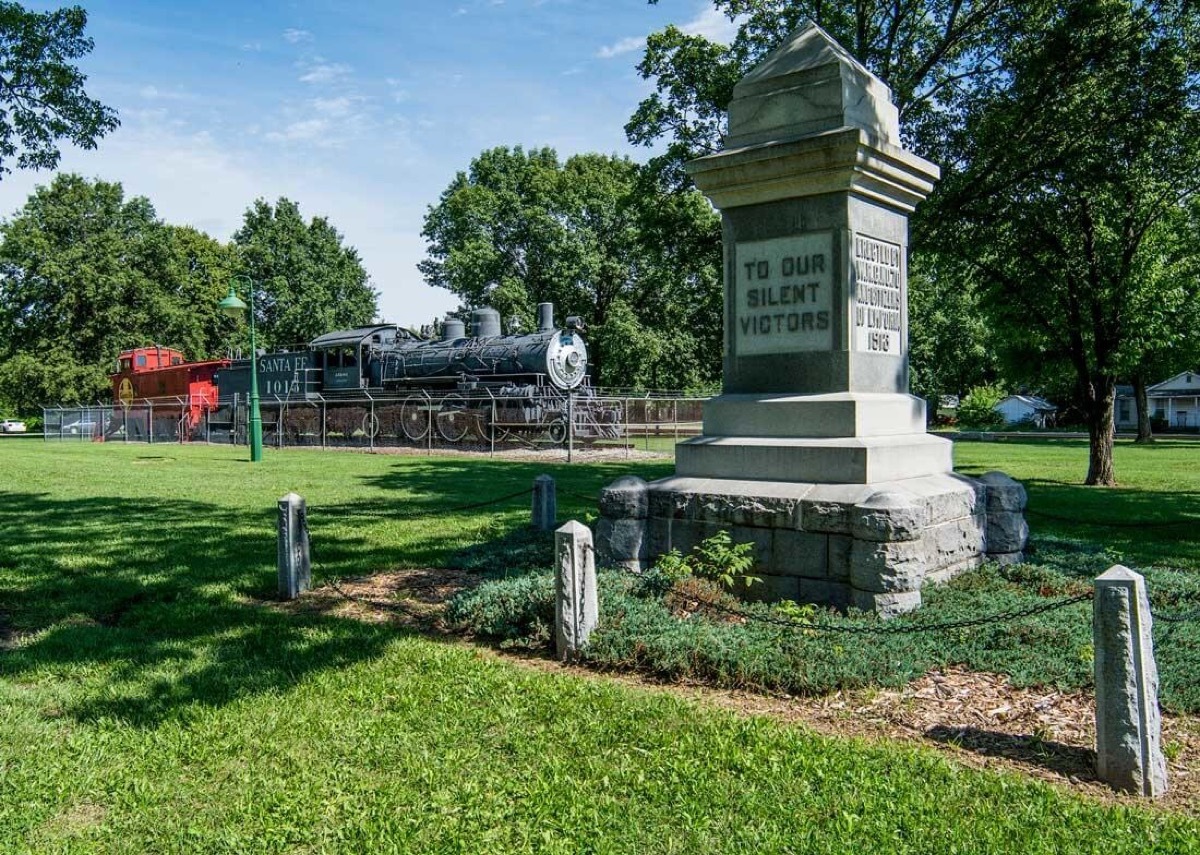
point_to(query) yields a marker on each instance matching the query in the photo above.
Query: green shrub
(517, 611)
(976, 411)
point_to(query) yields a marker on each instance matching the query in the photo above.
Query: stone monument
(815, 452)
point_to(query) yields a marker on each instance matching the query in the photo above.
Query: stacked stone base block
(871, 546)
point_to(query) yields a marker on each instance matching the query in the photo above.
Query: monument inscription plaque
(783, 294)
(878, 296)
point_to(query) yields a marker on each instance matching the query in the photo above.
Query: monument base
(871, 546)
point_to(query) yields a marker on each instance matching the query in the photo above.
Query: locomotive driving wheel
(453, 419)
(556, 430)
(414, 417)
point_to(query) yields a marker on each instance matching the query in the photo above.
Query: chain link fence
(476, 421)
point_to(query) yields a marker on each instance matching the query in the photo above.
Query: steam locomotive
(486, 385)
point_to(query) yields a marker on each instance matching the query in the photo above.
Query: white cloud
(713, 25)
(294, 36)
(319, 71)
(166, 165)
(304, 130)
(252, 47)
(626, 45)
(340, 106)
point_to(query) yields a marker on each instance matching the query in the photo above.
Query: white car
(12, 426)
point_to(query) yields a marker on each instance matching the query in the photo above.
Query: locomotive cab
(348, 359)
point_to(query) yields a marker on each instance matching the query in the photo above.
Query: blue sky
(361, 112)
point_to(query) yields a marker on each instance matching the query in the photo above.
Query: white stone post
(576, 608)
(1128, 726)
(545, 503)
(294, 564)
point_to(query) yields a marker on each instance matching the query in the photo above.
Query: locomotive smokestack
(545, 317)
(453, 328)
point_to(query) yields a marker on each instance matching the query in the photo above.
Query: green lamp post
(235, 308)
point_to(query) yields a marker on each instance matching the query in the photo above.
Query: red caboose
(161, 375)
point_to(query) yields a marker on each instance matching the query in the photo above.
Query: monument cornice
(847, 160)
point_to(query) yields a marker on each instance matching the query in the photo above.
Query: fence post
(576, 609)
(570, 424)
(545, 503)
(294, 565)
(1128, 725)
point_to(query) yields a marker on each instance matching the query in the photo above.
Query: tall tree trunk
(1100, 396)
(1142, 402)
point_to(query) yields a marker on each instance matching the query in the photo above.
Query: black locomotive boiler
(484, 384)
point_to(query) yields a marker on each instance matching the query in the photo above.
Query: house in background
(1175, 402)
(1027, 409)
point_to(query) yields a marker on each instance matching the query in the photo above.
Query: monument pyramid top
(808, 85)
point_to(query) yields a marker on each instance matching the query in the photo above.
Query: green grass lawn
(151, 704)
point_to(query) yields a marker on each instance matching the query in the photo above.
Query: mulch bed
(978, 719)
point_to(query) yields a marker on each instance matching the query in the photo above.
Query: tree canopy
(1069, 192)
(309, 282)
(929, 52)
(86, 273)
(42, 99)
(593, 236)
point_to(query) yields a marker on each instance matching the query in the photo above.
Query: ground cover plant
(1152, 525)
(154, 700)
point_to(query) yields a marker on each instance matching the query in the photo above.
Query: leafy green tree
(42, 99)
(29, 381)
(977, 408)
(930, 52)
(86, 273)
(593, 237)
(1057, 217)
(309, 282)
(951, 347)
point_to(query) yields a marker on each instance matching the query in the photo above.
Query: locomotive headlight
(566, 360)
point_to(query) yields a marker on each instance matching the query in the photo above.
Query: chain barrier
(888, 629)
(583, 497)
(1184, 617)
(335, 582)
(427, 512)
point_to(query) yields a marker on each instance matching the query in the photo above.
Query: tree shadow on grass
(164, 599)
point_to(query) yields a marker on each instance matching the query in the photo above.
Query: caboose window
(177, 360)
(141, 360)
(126, 364)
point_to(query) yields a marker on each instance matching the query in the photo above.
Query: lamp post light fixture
(235, 308)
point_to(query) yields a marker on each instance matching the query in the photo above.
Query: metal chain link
(903, 629)
(423, 512)
(890, 629)
(1184, 617)
(581, 496)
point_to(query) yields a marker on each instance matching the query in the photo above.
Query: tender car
(12, 426)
